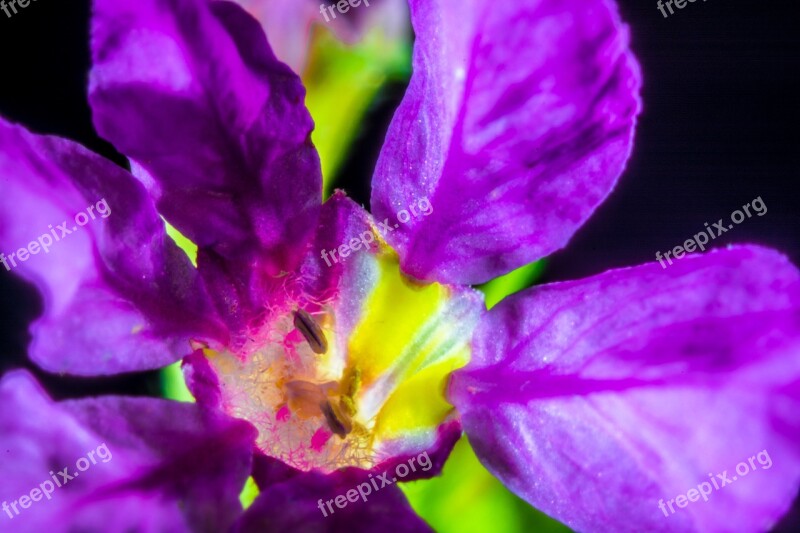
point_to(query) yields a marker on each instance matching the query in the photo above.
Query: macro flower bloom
(591, 399)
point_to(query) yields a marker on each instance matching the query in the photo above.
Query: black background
(718, 130)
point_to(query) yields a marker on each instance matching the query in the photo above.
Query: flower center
(357, 378)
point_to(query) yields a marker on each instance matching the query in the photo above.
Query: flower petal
(596, 399)
(299, 504)
(516, 125)
(118, 294)
(138, 464)
(192, 93)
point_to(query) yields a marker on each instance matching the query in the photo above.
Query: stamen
(311, 331)
(337, 420)
(305, 398)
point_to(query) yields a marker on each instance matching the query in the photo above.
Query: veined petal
(214, 124)
(516, 125)
(118, 294)
(598, 400)
(135, 464)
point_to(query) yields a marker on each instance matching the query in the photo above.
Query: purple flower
(341, 339)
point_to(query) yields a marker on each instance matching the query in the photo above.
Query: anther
(337, 420)
(311, 331)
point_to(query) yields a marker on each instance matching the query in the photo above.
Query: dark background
(721, 83)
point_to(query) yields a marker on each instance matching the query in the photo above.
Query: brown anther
(338, 421)
(311, 331)
(306, 398)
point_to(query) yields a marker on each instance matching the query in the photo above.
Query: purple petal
(298, 505)
(268, 471)
(216, 126)
(516, 125)
(138, 464)
(341, 219)
(593, 400)
(201, 380)
(118, 294)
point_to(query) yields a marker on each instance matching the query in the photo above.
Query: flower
(517, 122)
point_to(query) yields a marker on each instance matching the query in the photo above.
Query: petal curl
(516, 125)
(190, 91)
(596, 399)
(137, 464)
(118, 294)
